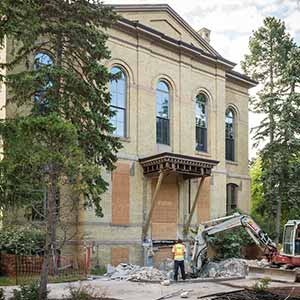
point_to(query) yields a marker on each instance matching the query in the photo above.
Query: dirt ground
(125, 290)
(272, 294)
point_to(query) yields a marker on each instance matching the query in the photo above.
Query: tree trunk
(50, 247)
(278, 219)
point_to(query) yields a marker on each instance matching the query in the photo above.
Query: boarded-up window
(119, 255)
(121, 194)
(164, 219)
(204, 201)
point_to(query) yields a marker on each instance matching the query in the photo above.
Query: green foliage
(259, 209)
(26, 292)
(100, 270)
(73, 33)
(228, 244)
(21, 240)
(274, 62)
(60, 133)
(86, 292)
(262, 285)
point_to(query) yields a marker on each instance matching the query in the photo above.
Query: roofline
(177, 155)
(178, 43)
(168, 8)
(231, 74)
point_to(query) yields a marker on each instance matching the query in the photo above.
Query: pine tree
(63, 104)
(272, 62)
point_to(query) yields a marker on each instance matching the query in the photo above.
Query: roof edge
(168, 8)
(241, 77)
(217, 59)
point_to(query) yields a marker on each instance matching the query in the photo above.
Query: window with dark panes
(201, 122)
(162, 113)
(42, 60)
(229, 135)
(231, 197)
(118, 92)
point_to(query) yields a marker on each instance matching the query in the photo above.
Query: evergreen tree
(57, 81)
(272, 61)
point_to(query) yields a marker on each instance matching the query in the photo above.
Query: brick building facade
(182, 115)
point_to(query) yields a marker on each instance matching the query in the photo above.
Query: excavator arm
(212, 227)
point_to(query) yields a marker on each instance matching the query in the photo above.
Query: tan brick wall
(127, 202)
(120, 194)
(119, 255)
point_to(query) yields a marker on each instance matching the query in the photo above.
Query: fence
(24, 269)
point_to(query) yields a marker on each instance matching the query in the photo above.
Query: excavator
(282, 264)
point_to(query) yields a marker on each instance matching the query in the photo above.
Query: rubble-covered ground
(232, 267)
(224, 269)
(136, 273)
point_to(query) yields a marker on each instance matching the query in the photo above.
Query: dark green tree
(272, 61)
(62, 119)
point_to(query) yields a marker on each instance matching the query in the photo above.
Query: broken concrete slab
(228, 268)
(136, 273)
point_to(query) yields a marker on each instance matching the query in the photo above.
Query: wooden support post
(153, 203)
(188, 223)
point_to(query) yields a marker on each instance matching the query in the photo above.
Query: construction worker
(178, 251)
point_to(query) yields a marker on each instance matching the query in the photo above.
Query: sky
(231, 23)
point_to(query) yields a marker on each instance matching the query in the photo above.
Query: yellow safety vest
(178, 250)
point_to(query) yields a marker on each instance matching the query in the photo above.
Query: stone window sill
(202, 153)
(229, 162)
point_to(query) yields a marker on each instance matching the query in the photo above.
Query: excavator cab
(291, 238)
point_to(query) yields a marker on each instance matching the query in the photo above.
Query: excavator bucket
(276, 274)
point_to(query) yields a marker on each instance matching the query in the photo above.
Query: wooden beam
(153, 203)
(188, 223)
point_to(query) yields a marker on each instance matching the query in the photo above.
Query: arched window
(229, 135)
(118, 92)
(42, 60)
(162, 113)
(231, 197)
(201, 122)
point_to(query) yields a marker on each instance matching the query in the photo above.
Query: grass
(100, 270)
(7, 281)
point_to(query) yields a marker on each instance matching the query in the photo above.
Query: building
(182, 115)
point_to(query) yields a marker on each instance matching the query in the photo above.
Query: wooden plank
(188, 223)
(153, 203)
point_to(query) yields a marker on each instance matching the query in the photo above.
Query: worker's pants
(179, 264)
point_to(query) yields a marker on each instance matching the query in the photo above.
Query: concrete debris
(232, 267)
(184, 295)
(257, 263)
(136, 273)
(165, 282)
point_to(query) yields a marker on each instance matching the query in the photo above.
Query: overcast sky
(231, 23)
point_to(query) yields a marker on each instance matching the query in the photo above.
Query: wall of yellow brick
(145, 62)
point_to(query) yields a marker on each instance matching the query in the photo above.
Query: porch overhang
(187, 166)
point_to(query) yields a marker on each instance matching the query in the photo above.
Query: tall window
(229, 135)
(231, 197)
(118, 92)
(162, 113)
(42, 60)
(201, 122)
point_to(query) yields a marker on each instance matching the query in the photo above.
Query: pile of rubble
(135, 273)
(232, 267)
(257, 263)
